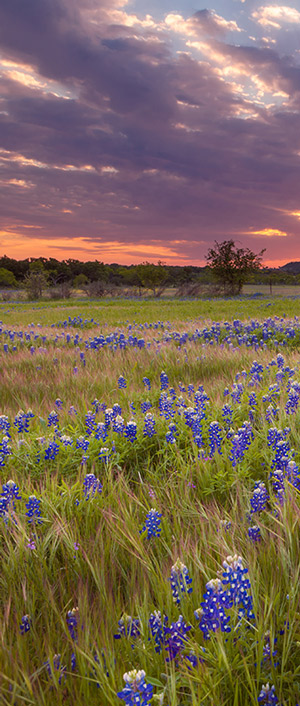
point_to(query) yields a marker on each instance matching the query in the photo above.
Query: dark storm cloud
(152, 145)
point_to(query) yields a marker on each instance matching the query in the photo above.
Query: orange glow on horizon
(18, 246)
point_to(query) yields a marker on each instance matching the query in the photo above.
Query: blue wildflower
(51, 451)
(57, 667)
(82, 443)
(128, 627)
(33, 510)
(72, 623)
(175, 638)
(90, 422)
(130, 431)
(164, 381)
(25, 624)
(215, 438)
(122, 384)
(254, 533)
(180, 581)
(259, 498)
(147, 383)
(212, 614)
(158, 626)
(91, 485)
(149, 425)
(10, 493)
(136, 692)
(101, 431)
(53, 419)
(152, 524)
(268, 696)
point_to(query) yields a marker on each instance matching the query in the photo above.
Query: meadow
(150, 503)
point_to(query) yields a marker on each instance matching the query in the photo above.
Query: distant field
(150, 506)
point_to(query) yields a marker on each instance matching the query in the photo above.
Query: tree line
(228, 268)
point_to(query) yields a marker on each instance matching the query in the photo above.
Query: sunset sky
(146, 130)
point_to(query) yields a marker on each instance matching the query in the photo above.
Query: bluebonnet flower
(66, 440)
(170, 438)
(271, 413)
(237, 391)
(158, 626)
(292, 401)
(175, 638)
(10, 493)
(227, 413)
(82, 358)
(58, 403)
(212, 614)
(293, 474)
(152, 524)
(164, 381)
(165, 403)
(108, 416)
(4, 424)
(149, 425)
(147, 383)
(136, 692)
(268, 652)
(238, 587)
(101, 431)
(117, 409)
(21, 422)
(5, 449)
(90, 422)
(145, 406)
(72, 411)
(180, 581)
(215, 438)
(191, 390)
(128, 627)
(25, 624)
(82, 443)
(53, 419)
(96, 404)
(57, 667)
(240, 443)
(130, 431)
(226, 525)
(118, 424)
(280, 360)
(254, 533)
(91, 485)
(122, 384)
(33, 510)
(132, 408)
(51, 451)
(259, 498)
(104, 454)
(226, 392)
(268, 696)
(72, 623)
(277, 480)
(181, 387)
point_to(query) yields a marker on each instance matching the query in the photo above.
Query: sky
(148, 129)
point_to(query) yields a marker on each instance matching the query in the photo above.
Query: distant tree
(152, 276)
(231, 266)
(7, 278)
(36, 279)
(79, 280)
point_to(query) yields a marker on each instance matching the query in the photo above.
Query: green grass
(91, 554)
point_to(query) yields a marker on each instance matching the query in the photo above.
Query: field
(150, 506)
